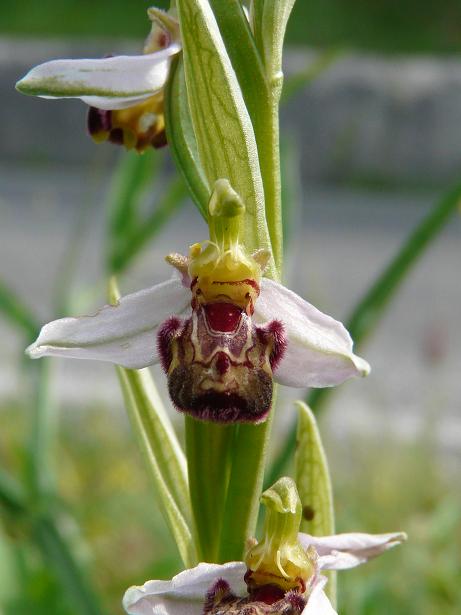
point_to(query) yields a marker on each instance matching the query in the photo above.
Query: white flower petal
(349, 550)
(105, 82)
(124, 334)
(319, 352)
(318, 603)
(185, 593)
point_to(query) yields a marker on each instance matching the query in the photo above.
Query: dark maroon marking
(220, 407)
(116, 136)
(98, 120)
(159, 140)
(193, 283)
(267, 594)
(222, 363)
(219, 593)
(223, 317)
(165, 335)
(275, 332)
(296, 600)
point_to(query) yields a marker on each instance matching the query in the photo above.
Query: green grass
(378, 25)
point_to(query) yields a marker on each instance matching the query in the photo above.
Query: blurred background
(371, 125)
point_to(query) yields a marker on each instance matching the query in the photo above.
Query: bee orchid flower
(221, 330)
(125, 93)
(280, 576)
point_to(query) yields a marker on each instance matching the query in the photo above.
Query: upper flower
(223, 330)
(125, 93)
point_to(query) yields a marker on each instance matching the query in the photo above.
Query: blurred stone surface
(370, 119)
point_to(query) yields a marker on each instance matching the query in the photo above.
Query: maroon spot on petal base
(165, 335)
(269, 594)
(297, 602)
(98, 120)
(159, 139)
(223, 317)
(274, 332)
(116, 136)
(220, 593)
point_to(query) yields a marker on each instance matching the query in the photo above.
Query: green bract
(222, 126)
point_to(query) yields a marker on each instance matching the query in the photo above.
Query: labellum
(218, 362)
(221, 601)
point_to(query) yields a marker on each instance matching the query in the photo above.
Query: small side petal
(318, 603)
(124, 334)
(121, 80)
(185, 593)
(349, 550)
(319, 351)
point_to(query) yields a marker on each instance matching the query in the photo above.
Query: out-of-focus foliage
(386, 25)
(378, 485)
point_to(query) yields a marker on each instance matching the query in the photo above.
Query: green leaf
(132, 177)
(163, 455)
(17, 313)
(270, 18)
(222, 126)
(262, 107)
(147, 228)
(369, 310)
(181, 137)
(12, 495)
(60, 559)
(312, 478)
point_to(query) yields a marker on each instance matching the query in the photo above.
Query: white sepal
(318, 603)
(124, 334)
(344, 551)
(185, 593)
(319, 351)
(108, 83)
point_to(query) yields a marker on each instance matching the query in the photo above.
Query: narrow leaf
(59, 557)
(181, 137)
(270, 18)
(147, 228)
(314, 484)
(131, 179)
(225, 137)
(165, 460)
(16, 312)
(369, 310)
(12, 496)
(261, 102)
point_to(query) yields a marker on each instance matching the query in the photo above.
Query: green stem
(208, 447)
(270, 169)
(245, 485)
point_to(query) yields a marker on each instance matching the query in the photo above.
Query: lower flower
(281, 575)
(215, 589)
